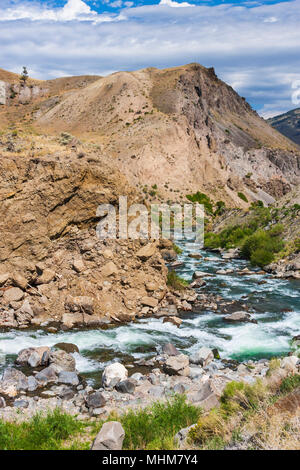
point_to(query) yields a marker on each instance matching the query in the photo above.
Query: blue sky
(253, 45)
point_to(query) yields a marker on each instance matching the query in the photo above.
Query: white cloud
(172, 4)
(72, 10)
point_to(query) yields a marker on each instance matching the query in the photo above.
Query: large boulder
(177, 365)
(202, 357)
(68, 378)
(110, 437)
(95, 400)
(206, 397)
(46, 375)
(147, 251)
(13, 381)
(34, 357)
(60, 360)
(67, 347)
(113, 374)
(14, 294)
(239, 317)
(126, 386)
(290, 364)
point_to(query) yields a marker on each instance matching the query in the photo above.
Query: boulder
(109, 269)
(4, 278)
(46, 375)
(46, 277)
(34, 357)
(78, 265)
(202, 357)
(200, 274)
(237, 317)
(110, 437)
(206, 397)
(81, 303)
(32, 383)
(177, 365)
(198, 283)
(68, 378)
(19, 281)
(181, 438)
(175, 320)
(95, 400)
(21, 404)
(67, 347)
(113, 374)
(170, 350)
(195, 255)
(14, 294)
(12, 382)
(60, 360)
(149, 301)
(126, 386)
(146, 251)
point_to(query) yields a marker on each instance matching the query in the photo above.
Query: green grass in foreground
(153, 427)
(40, 433)
(175, 281)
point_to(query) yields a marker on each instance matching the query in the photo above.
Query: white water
(270, 337)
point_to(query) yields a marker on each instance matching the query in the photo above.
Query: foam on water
(270, 337)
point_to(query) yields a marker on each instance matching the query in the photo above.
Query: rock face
(110, 437)
(113, 374)
(53, 265)
(288, 124)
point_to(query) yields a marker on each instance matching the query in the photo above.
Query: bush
(201, 198)
(243, 197)
(290, 383)
(155, 427)
(261, 246)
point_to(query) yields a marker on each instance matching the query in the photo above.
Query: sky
(253, 45)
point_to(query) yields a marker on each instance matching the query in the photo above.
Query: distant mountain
(288, 124)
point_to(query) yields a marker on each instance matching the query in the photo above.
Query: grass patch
(177, 250)
(40, 433)
(175, 281)
(155, 427)
(290, 383)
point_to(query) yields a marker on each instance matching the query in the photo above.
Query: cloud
(72, 10)
(172, 4)
(258, 57)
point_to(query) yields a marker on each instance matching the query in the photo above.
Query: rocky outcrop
(110, 437)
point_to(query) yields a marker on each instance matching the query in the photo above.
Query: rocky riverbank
(46, 378)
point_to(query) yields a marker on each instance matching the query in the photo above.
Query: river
(275, 304)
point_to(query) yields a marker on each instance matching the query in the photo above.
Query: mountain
(288, 124)
(171, 132)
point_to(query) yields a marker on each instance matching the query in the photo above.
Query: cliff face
(288, 124)
(52, 265)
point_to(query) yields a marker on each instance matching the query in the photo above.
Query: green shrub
(154, 427)
(201, 198)
(242, 196)
(290, 383)
(261, 246)
(177, 249)
(220, 208)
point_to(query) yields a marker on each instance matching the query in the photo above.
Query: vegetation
(242, 196)
(40, 433)
(177, 249)
(154, 428)
(201, 198)
(24, 76)
(176, 282)
(258, 242)
(244, 407)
